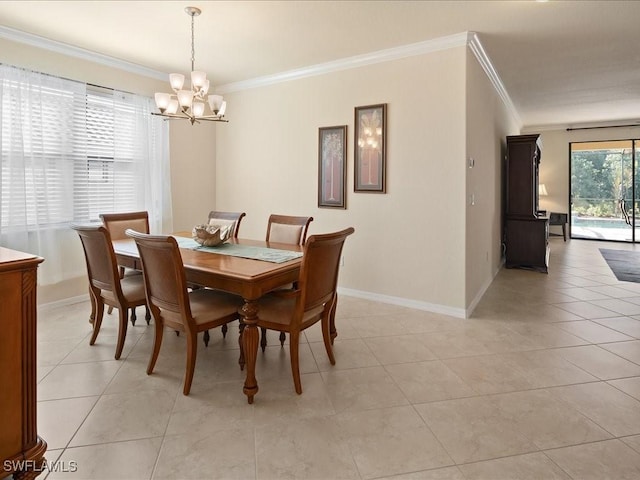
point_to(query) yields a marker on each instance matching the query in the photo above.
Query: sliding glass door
(605, 185)
(636, 190)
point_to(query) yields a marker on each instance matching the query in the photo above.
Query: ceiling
(563, 63)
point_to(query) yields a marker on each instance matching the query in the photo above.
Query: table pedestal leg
(241, 359)
(250, 347)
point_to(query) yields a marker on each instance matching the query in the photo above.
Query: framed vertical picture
(332, 166)
(370, 148)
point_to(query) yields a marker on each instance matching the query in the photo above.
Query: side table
(559, 219)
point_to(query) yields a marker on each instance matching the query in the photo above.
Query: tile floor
(543, 382)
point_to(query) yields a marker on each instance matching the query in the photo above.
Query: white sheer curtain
(70, 152)
(153, 143)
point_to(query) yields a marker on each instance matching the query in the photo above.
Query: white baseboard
(474, 303)
(404, 302)
(64, 302)
(376, 297)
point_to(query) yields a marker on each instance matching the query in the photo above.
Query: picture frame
(370, 148)
(332, 166)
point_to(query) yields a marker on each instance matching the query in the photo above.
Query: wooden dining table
(248, 278)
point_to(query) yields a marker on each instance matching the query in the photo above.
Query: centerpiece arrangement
(211, 235)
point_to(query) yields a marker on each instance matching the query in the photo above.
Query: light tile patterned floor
(543, 382)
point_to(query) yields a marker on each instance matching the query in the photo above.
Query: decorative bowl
(211, 235)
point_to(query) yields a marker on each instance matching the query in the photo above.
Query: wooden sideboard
(21, 449)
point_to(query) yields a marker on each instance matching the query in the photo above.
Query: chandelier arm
(206, 118)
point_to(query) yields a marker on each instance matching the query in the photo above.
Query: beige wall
(415, 245)
(487, 124)
(193, 172)
(409, 242)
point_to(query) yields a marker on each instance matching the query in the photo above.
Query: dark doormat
(624, 264)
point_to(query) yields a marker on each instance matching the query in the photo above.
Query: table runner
(245, 251)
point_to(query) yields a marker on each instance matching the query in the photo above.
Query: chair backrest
(227, 218)
(288, 229)
(164, 277)
(102, 267)
(117, 223)
(318, 279)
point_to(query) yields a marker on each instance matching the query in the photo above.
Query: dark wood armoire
(526, 228)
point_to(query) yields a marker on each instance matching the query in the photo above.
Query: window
(71, 151)
(107, 181)
(69, 154)
(605, 190)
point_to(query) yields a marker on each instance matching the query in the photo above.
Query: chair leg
(192, 351)
(110, 309)
(97, 321)
(326, 336)
(133, 316)
(157, 341)
(122, 331)
(224, 330)
(205, 338)
(147, 314)
(263, 338)
(283, 337)
(92, 315)
(332, 320)
(294, 340)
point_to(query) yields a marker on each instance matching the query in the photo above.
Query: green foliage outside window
(600, 179)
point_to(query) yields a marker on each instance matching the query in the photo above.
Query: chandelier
(189, 103)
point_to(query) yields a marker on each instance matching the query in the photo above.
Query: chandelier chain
(193, 49)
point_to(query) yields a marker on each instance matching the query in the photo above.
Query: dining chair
(285, 229)
(227, 218)
(117, 223)
(292, 311)
(105, 285)
(288, 229)
(173, 304)
(223, 218)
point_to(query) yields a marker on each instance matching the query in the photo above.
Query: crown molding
(412, 49)
(622, 123)
(77, 52)
(482, 57)
(420, 48)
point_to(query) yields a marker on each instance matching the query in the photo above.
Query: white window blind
(72, 151)
(68, 156)
(42, 138)
(108, 180)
